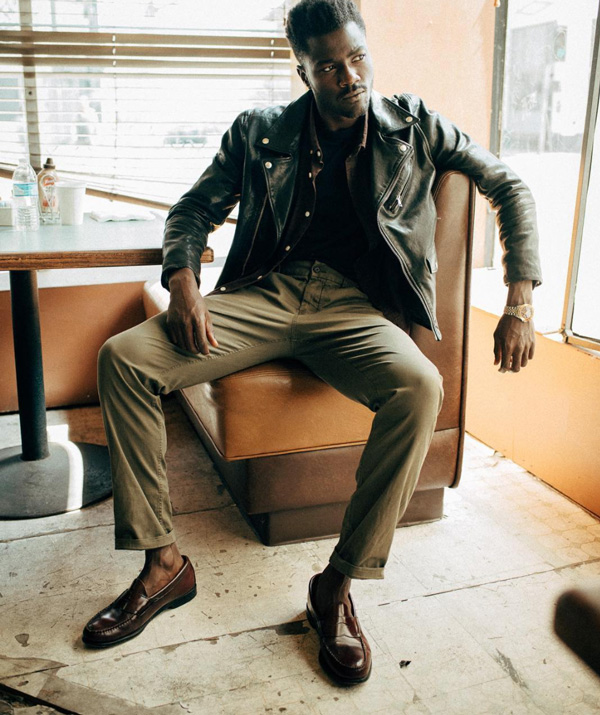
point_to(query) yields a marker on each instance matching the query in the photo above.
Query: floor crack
(492, 582)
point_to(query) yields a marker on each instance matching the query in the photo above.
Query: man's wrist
(520, 293)
(181, 277)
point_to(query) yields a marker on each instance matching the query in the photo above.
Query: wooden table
(40, 478)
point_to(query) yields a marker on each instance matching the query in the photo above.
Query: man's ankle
(332, 587)
(165, 558)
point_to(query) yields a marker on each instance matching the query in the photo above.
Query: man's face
(339, 71)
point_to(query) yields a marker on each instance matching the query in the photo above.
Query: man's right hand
(188, 320)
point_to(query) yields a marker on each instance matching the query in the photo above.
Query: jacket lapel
(279, 150)
(388, 150)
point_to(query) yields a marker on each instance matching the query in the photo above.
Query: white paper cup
(70, 202)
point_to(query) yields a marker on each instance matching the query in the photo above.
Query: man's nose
(348, 76)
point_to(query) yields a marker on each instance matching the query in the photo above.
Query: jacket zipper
(397, 202)
(407, 275)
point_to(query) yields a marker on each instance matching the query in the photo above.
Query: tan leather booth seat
(287, 445)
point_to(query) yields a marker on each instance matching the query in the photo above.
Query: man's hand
(514, 341)
(188, 320)
(514, 344)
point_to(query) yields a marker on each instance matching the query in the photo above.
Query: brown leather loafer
(126, 617)
(345, 654)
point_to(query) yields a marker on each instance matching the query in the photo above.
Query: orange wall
(546, 418)
(75, 321)
(440, 50)
(443, 51)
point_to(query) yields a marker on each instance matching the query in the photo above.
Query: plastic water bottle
(26, 214)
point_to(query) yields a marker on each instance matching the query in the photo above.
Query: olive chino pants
(309, 312)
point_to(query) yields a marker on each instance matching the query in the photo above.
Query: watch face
(527, 312)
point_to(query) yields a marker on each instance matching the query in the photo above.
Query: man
(336, 226)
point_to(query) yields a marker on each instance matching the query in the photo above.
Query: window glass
(586, 314)
(548, 57)
(134, 97)
(187, 16)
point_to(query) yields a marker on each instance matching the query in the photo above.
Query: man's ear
(302, 75)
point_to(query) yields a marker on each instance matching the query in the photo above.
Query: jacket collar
(284, 135)
(388, 117)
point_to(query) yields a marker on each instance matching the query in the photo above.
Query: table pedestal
(73, 475)
(38, 479)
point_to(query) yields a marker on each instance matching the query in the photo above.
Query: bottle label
(48, 198)
(29, 189)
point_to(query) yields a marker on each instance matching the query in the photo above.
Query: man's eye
(329, 68)
(359, 58)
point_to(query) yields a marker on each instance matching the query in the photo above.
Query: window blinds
(133, 97)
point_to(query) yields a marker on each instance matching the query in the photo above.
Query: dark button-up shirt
(302, 220)
(323, 223)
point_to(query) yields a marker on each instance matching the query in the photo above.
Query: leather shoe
(126, 617)
(345, 653)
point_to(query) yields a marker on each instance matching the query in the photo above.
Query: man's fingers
(505, 365)
(532, 350)
(210, 334)
(175, 334)
(516, 361)
(497, 352)
(189, 340)
(201, 342)
(188, 322)
(203, 333)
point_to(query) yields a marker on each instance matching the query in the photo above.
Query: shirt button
(311, 151)
(318, 153)
(307, 214)
(222, 289)
(265, 141)
(287, 248)
(409, 119)
(259, 278)
(268, 165)
(403, 147)
(310, 174)
(316, 269)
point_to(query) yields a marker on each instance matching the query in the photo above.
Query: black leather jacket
(407, 146)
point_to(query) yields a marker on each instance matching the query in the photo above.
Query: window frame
(587, 149)
(500, 39)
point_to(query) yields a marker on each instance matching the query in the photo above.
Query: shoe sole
(181, 601)
(340, 680)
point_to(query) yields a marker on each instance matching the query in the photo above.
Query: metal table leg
(40, 478)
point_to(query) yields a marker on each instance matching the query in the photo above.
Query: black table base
(38, 478)
(73, 475)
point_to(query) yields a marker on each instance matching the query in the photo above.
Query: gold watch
(522, 312)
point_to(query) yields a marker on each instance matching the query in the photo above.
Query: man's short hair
(313, 18)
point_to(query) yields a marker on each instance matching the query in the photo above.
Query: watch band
(523, 312)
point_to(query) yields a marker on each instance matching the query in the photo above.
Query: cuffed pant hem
(351, 571)
(142, 544)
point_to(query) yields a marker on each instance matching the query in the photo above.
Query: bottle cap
(49, 164)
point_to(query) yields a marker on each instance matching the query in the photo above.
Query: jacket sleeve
(507, 193)
(205, 206)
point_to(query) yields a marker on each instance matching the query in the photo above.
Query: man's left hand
(514, 344)
(514, 340)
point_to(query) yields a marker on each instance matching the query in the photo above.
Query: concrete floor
(461, 624)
